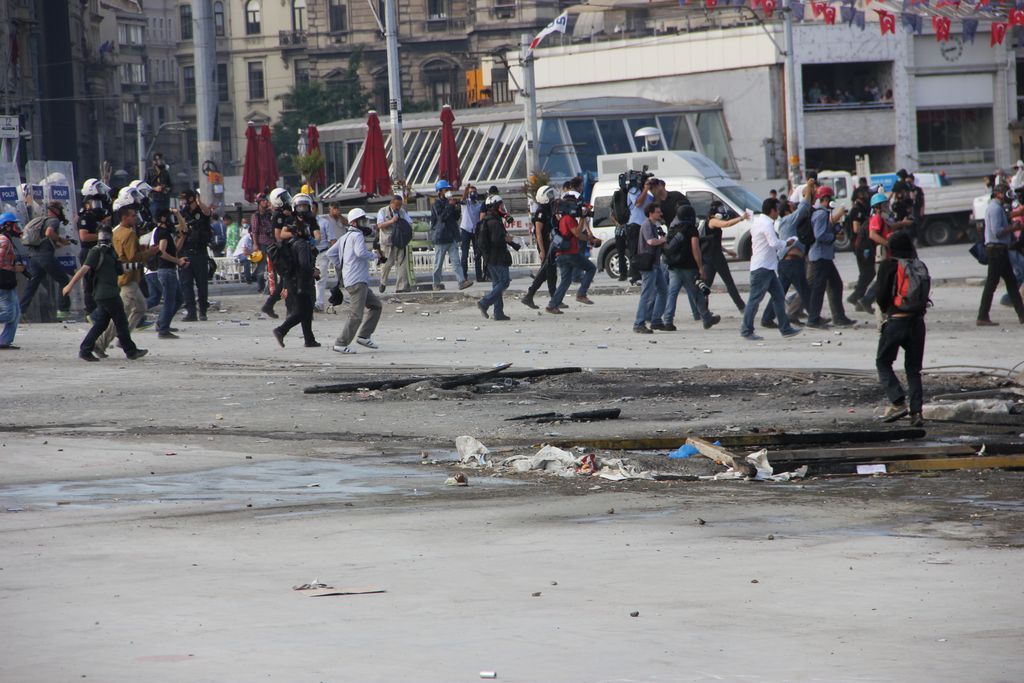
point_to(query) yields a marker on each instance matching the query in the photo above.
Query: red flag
(769, 7)
(948, 3)
(941, 26)
(711, 3)
(754, 4)
(998, 33)
(1017, 17)
(830, 15)
(886, 22)
(819, 8)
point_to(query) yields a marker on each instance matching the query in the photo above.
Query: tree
(318, 102)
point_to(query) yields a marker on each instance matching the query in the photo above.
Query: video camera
(634, 180)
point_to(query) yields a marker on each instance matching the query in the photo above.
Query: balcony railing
(436, 24)
(957, 157)
(843, 106)
(292, 38)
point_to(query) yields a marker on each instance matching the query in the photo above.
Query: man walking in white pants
(363, 308)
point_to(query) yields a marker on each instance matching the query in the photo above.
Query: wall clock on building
(952, 49)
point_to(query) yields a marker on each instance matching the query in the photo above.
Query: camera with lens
(634, 180)
(702, 287)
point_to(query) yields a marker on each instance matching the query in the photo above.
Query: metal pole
(529, 105)
(140, 149)
(792, 134)
(394, 89)
(206, 91)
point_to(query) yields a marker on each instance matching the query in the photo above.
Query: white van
(693, 174)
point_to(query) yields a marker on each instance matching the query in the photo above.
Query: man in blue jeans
(168, 241)
(793, 266)
(765, 249)
(569, 258)
(494, 241)
(685, 265)
(444, 233)
(653, 288)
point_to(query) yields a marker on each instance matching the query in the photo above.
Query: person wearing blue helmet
(444, 234)
(10, 266)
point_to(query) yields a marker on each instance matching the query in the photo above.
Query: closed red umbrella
(448, 165)
(312, 143)
(374, 176)
(268, 160)
(251, 170)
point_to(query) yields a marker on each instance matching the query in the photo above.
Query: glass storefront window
(555, 157)
(614, 136)
(586, 142)
(713, 139)
(677, 133)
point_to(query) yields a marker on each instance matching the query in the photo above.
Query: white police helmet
(545, 194)
(279, 197)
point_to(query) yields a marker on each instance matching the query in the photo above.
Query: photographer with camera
(653, 289)
(573, 231)
(494, 241)
(542, 226)
(444, 235)
(686, 268)
(43, 238)
(640, 186)
(472, 210)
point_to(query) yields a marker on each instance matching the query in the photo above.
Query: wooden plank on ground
(723, 456)
(809, 438)
(865, 454)
(983, 462)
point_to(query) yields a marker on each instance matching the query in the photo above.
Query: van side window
(701, 202)
(602, 212)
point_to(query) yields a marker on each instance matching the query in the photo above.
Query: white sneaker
(343, 349)
(368, 343)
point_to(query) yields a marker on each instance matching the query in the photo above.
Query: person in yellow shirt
(131, 258)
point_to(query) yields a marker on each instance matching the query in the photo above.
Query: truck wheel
(744, 249)
(611, 264)
(939, 232)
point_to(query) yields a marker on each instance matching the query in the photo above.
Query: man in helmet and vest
(444, 233)
(824, 275)
(300, 279)
(548, 271)
(93, 216)
(363, 308)
(280, 218)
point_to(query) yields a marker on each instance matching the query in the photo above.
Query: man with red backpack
(903, 289)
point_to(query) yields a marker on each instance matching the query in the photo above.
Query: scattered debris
(315, 589)
(470, 449)
(878, 468)
(634, 613)
(488, 674)
(457, 479)
(535, 595)
(581, 416)
(700, 522)
(977, 411)
(442, 381)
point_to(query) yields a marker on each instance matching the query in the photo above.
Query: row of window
(337, 16)
(256, 80)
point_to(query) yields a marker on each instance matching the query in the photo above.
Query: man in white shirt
(798, 192)
(241, 255)
(766, 249)
(327, 231)
(363, 308)
(394, 257)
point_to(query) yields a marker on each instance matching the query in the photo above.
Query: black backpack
(805, 230)
(281, 257)
(913, 286)
(401, 234)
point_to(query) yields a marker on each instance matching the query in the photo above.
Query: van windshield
(740, 197)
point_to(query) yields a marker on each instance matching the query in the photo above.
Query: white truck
(693, 174)
(947, 206)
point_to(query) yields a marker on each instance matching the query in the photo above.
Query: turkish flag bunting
(941, 26)
(1017, 17)
(830, 15)
(948, 3)
(711, 3)
(981, 3)
(819, 8)
(754, 4)
(769, 7)
(886, 22)
(998, 33)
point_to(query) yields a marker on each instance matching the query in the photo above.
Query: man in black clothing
(548, 271)
(299, 282)
(864, 250)
(902, 329)
(94, 215)
(194, 223)
(159, 178)
(494, 242)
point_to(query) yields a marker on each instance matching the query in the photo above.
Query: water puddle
(272, 483)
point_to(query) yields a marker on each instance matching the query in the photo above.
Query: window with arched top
(298, 15)
(253, 17)
(218, 19)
